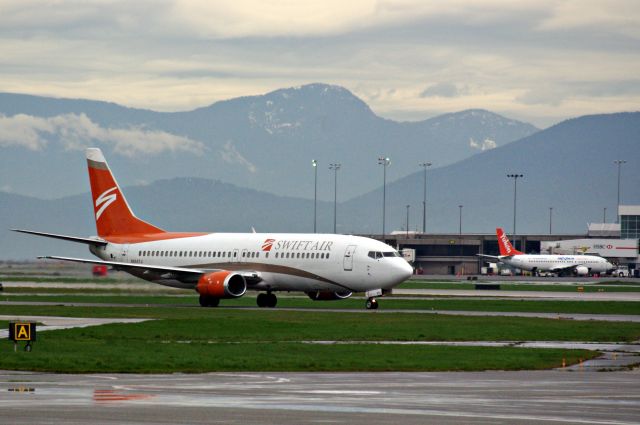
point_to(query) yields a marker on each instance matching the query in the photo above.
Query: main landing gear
(206, 301)
(267, 300)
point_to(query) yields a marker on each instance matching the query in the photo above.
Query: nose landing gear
(371, 304)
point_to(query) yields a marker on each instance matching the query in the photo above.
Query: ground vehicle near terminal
(225, 265)
(621, 271)
(579, 265)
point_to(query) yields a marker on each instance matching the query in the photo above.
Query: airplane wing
(182, 274)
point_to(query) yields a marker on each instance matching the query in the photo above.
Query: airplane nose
(405, 271)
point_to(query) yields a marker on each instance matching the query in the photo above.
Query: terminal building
(456, 254)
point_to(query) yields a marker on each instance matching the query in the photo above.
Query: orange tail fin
(505, 245)
(113, 215)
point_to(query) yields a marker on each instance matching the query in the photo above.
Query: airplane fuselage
(557, 262)
(306, 262)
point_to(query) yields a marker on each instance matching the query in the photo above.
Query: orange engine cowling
(328, 295)
(222, 284)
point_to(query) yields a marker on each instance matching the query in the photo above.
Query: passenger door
(347, 261)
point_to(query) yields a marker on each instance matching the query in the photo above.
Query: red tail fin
(113, 215)
(505, 246)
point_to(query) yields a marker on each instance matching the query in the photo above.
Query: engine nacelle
(582, 270)
(328, 295)
(222, 284)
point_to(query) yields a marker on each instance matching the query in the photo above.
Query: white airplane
(580, 265)
(225, 265)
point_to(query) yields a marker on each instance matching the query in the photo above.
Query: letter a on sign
(23, 332)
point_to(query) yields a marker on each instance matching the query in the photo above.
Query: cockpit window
(377, 254)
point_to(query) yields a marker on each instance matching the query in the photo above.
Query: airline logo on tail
(505, 245)
(104, 200)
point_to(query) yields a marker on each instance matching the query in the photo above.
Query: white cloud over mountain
(78, 132)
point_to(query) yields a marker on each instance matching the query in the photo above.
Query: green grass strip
(537, 306)
(589, 286)
(59, 354)
(229, 325)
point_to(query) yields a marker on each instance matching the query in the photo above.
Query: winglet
(112, 212)
(504, 244)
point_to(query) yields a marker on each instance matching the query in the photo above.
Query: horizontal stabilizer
(88, 241)
(492, 257)
(128, 266)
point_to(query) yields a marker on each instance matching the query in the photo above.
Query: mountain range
(261, 142)
(568, 167)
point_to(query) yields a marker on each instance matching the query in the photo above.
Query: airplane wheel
(272, 300)
(209, 301)
(261, 300)
(371, 304)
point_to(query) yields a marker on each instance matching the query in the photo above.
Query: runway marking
(341, 392)
(106, 396)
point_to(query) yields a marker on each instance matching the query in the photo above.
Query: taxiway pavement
(545, 397)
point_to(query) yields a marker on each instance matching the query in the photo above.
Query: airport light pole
(424, 196)
(335, 167)
(515, 178)
(604, 215)
(314, 163)
(460, 220)
(550, 218)
(384, 161)
(408, 221)
(619, 163)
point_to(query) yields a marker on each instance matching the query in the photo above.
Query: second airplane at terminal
(580, 265)
(225, 265)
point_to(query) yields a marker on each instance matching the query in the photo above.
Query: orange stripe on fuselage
(149, 237)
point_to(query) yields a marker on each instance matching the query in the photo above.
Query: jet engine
(222, 284)
(328, 295)
(581, 271)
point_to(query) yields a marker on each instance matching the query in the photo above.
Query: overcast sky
(541, 61)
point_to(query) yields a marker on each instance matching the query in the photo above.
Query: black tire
(371, 304)
(272, 300)
(206, 301)
(261, 300)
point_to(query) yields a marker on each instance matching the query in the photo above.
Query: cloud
(230, 154)
(493, 54)
(24, 131)
(444, 90)
(77, 132)
(486, 145)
